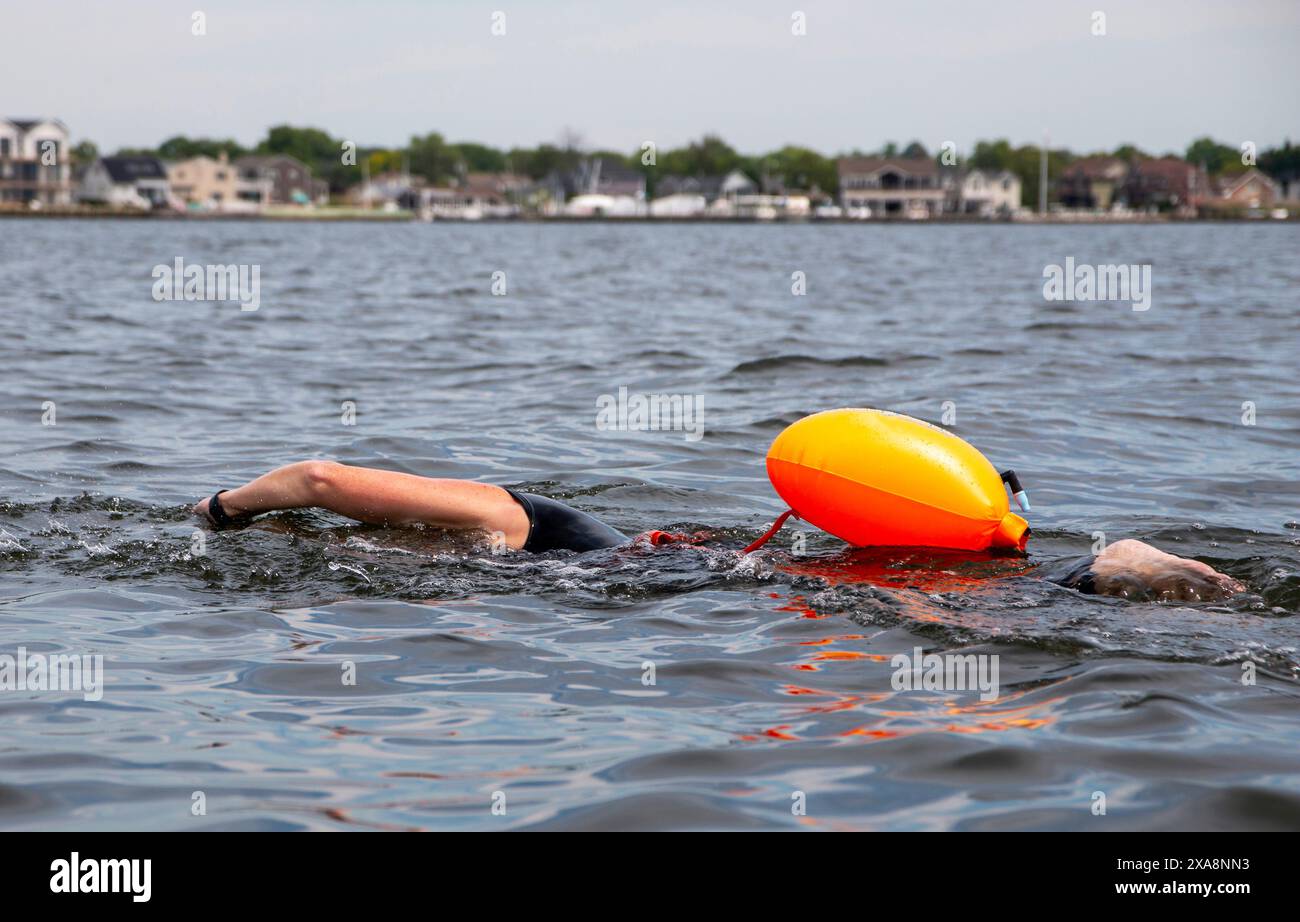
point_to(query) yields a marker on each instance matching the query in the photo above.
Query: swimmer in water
(529, 522)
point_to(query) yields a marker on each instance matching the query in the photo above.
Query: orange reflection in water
(1023, 717)
(851, 655)
(924, 569)
(872, 732)
(835, 638)
(929, 569)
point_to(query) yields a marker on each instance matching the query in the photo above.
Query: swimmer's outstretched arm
(380, 497)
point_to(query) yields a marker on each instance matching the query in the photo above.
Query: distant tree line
(439, 161)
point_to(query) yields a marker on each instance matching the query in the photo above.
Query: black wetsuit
(553, 526)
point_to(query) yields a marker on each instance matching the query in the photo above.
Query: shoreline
(74, 213)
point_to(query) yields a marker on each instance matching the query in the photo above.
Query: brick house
(1252, 189)
(291, 180)
(1166, 182)
(1092, 182)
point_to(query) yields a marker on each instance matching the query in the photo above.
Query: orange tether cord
(776, 526)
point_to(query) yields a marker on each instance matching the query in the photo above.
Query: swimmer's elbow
(320, 480)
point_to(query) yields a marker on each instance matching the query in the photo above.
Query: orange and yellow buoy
(871, 477)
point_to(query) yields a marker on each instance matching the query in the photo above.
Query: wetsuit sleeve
(553, 526)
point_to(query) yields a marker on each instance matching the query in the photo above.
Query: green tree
(310, 145)
(992, 155)
(542, 160)
(916, 150)
(1281, 163)
(802, 168)
(382, 161)
(479, 158)
(314, 147)
(182, 148)
(1217, 158)
(1026, 163)
(613, 156)
(432, 157)
(710, 156)
(85, 152)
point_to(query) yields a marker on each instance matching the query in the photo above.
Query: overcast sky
(130, 73)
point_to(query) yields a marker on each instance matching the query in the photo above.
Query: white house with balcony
(892, 187)
(34, 162)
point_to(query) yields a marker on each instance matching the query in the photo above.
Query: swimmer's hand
(1135, 570)
(233, 514)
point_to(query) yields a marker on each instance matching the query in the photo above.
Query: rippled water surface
(478, 674)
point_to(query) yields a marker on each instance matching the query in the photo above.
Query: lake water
(520, 681)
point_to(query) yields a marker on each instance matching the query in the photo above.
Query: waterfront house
(389, 191)
(127, 182)
(216, 185)
(470, 198)
(692, 196)
(1166, 183)
(598, 186)
(988, 193)
(1251, 189)
(797, 203)
(34, 162)
(753, 206)
(1092, 182)
(710, 187)
(684, 196)
(679, 205)
(496, 195)
(602, 176)
(291, 181)
(891, 187)
(442, 203)
(600, 205)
